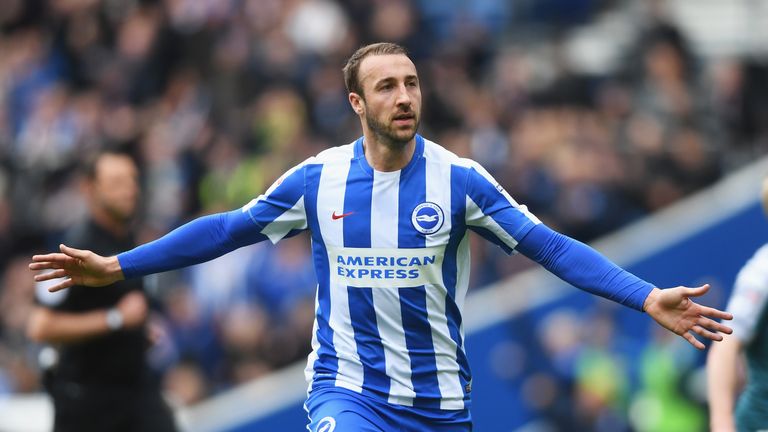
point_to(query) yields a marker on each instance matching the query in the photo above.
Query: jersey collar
(418, 153)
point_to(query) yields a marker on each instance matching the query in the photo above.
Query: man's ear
(357, 103)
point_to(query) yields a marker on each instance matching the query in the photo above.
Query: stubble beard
(387, 135)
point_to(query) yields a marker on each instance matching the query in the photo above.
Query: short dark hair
(89, 162)
(353, 64)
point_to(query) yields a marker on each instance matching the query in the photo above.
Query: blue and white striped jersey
(392, 260)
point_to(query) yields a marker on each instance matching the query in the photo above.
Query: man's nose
(403, 98)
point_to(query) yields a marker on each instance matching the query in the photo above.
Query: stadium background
(595, 114)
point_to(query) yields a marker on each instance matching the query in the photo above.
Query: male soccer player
(389, 216)
(749, 303)
(101, 380)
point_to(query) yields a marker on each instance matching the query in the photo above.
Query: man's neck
(386, 157)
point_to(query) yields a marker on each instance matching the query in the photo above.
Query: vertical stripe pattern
(322, 361)
(357, 234)
(330, 198)
(437, 177)
(384, 216)
(418, 331)
(391, 254)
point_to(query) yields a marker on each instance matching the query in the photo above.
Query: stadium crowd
(216, 98)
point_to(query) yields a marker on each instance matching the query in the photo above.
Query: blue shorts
(337, 409)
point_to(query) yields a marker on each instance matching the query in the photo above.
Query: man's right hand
(77, 267)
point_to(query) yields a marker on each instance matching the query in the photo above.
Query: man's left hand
(675, 311)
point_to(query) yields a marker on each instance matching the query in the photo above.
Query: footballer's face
(391, 99)
(115, 187)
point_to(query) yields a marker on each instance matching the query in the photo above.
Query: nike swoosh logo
(334, 216)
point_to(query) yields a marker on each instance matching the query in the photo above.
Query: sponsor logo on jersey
(387, 267)
(326, 424)
(427, 218)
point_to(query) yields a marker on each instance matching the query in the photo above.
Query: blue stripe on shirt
(458, 232)
(327, 363)
(413, 301)
(357, 234)
(421, 350)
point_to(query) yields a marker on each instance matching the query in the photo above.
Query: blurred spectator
(660, 404)
(281, 277)
(94, 356)
(735, 370)
(16, 356)
(185, 383)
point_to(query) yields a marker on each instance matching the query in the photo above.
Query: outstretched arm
(201, 240)
(277, 214)
(585, 268)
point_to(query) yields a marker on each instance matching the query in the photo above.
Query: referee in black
(95, 368)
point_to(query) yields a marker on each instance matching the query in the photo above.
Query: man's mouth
(404, 118)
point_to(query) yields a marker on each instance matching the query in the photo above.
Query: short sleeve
(750, 296)
(493, 213)
(280, 211)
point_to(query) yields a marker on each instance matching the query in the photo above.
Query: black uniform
(104, 383)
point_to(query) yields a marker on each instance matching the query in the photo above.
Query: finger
(66, 283)
(697, 291)
(58, 257)
(47, 265)
(75, 253)
(56, 274)
(692, 340)
(714, 325)
(714, 313)
(725, 329)
(701, 331)
(40, 265)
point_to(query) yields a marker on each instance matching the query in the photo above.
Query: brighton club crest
(427, 218)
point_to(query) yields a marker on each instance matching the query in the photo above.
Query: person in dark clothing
(95, 367)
